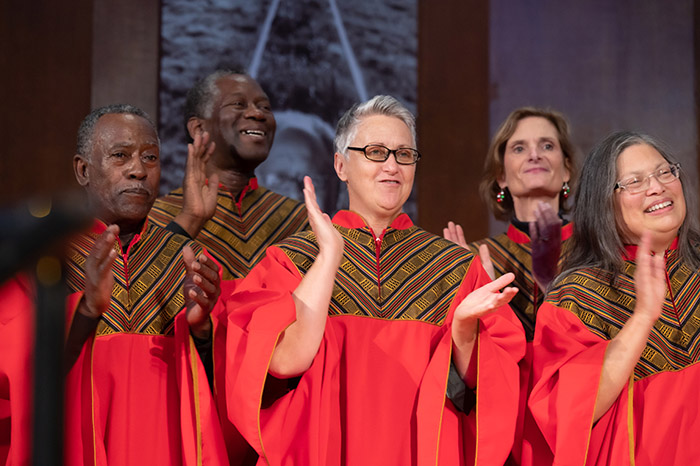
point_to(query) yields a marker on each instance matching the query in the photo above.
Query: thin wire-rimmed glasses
(379, 153)
(637, 184)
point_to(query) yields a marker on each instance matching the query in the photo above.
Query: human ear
(80, 168)
(339, 163)
(195, 126)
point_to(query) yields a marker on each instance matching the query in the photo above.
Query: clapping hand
(545, 237)
(199, 193)
(201, 289)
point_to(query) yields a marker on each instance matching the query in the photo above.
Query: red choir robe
(237, 236)
(512, 252)
(138, 393)
(375, 392)
(654, 420)
(16, 343)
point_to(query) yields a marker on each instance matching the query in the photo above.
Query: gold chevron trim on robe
(416, 279)
(238, 240)
(674, 342)
(147, 293)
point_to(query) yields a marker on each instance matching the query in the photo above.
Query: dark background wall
(606, 65)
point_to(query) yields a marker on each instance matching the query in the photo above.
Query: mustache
(137, 189)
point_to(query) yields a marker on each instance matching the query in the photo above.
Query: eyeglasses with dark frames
(379, 153)
(637, 184)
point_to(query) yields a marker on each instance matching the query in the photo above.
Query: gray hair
(200, 98)
(596, 240)
(86, 130)
(377, 105)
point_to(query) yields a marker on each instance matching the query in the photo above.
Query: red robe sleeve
(489, 429)
(260, 310)
(16, 338)
(567, 364)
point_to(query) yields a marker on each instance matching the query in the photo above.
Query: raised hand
(330, 241)
(298, 344)
(476, 304)
(201, 290)
(625, 349)
(486, 299)
(649, 280)
(454, 232)
(99, 279)
(545, 238)
(199, 194)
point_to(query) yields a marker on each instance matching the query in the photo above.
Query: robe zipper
(378, 247)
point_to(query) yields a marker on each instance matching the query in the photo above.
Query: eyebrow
(640, 172)
(542, 139)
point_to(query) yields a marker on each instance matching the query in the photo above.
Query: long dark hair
(596, 241)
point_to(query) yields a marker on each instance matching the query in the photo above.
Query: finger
(208, 268)
(644, 248)
(449, 232)
(506, 296)
(501, 281)
(460, 236)
(104, 244)
(485, 258)
(208, 286)
(200, 298)
(205, 138)
(188, 258)
(210, 147)
(534, 233)
(213, 182)
(310, 199)
(446, 234)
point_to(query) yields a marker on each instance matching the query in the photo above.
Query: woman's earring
(565, 190)
(500, 196)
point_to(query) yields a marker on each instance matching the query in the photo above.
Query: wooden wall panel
(125, 53)
(453, 109)
(45, 92)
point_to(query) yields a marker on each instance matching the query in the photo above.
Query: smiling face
(241, 123)
(533, 161)
(660, 209)
(122, 172)
(377, 190)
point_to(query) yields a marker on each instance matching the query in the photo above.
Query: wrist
(464, 332)
(87, 310)
(191, 223)
(202, 331)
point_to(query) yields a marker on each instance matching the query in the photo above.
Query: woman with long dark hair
(616, 340)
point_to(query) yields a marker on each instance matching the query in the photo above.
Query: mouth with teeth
(253, 132)
(658, 206)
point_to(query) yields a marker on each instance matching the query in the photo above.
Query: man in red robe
(138, 391)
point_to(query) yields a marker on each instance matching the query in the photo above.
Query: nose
(254, 112)
(390, 164)
(534, 153)
(655, 186)
(135, 168)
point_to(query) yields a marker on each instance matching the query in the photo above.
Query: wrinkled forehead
(239, 84)
(124, 129)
